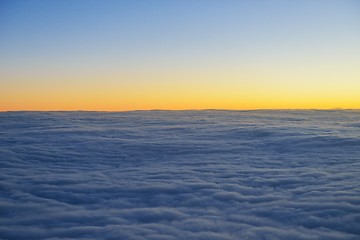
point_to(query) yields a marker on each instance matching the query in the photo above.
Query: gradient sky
(185, 54)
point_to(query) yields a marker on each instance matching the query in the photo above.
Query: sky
(185, 54)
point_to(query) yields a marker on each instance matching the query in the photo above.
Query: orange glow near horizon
(214, 90)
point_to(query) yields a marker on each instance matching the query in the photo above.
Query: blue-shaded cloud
(180, 175)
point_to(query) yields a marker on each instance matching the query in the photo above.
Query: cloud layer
(180, 175)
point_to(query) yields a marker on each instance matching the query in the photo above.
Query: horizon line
(200, 109)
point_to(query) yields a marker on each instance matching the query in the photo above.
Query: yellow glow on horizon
(245, 89)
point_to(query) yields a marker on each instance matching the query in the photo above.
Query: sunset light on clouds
(129, 55)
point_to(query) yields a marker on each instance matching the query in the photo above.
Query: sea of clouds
(180, 175)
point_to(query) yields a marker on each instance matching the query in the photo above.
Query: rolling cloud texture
(180, 175)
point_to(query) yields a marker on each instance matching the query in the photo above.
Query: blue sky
(52, 40)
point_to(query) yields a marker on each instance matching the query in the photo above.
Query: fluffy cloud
(180, 175)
